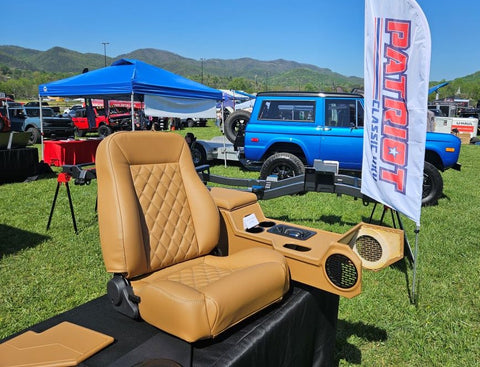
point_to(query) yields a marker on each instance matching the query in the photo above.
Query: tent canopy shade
(126, 77)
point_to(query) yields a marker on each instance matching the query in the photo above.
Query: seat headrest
(142, 147)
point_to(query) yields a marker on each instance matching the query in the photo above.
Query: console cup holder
(295, 247)
(291, 231)
(255, 229)
(267, 224)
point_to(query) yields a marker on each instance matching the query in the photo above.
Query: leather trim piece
(65, 344)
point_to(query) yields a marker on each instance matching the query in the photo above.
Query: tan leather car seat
(158, 224)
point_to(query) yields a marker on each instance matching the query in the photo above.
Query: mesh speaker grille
(369, 248)
(341, 271)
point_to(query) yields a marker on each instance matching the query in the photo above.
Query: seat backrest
(153, 209)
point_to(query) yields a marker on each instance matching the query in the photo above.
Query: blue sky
(324, 33)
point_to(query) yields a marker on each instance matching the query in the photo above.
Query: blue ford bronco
(287, 131)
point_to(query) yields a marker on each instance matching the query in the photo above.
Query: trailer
(218, 148)
(322, 177)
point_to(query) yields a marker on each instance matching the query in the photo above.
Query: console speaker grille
(341, 271)
(369, 248)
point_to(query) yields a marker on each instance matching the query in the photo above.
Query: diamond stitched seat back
(161, 194)
(153, 209)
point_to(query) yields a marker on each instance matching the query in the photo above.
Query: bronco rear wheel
(282, 165)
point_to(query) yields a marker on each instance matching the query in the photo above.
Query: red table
(61, 152)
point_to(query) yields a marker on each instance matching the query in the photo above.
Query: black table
(18, 164)
(299, 331)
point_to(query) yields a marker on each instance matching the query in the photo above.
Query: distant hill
(281, 72)
(56, 59)
(251, 75)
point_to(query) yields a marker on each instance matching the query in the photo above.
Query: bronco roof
(307, 94)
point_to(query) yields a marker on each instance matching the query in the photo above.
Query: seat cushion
(200, 298)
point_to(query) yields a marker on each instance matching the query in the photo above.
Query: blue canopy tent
(126, 77)
(164, 94)
(437, 87)
(233, 97)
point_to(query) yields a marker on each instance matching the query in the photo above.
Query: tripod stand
(63, 178)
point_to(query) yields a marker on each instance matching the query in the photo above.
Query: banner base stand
(408, 253)
(395, 215)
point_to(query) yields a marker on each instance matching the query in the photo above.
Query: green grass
(46, 272)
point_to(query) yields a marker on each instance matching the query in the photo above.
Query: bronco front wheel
(432, 184)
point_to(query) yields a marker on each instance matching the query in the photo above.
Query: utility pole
(202, 60)
(105, 51)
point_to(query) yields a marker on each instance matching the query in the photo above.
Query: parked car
(28, 119)
(193, 121)
(70, 111)
(44, 104)
(104, 125)
(4, 123)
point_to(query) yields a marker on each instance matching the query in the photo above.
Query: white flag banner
(397, 68)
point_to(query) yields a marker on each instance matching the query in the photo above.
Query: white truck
(451, 119)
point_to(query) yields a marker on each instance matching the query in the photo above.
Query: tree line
(23, 84)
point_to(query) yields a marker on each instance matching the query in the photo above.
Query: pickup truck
(287, 131)
(28, 119)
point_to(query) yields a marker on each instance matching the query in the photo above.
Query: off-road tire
(80, 132)
(235, 124)
(199, 155)
(283, 165)
(432, 185)
(104, 131)
(35, 135)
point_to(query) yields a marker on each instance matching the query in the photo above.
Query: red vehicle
(4, 123)
(104, 125)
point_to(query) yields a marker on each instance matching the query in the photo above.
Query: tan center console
(325, 260)
(314, 256)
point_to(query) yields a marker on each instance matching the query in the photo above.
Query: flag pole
(415, 263)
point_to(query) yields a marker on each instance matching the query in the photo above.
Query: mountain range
(278, 72)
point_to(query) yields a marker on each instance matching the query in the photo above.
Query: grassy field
(46, 272)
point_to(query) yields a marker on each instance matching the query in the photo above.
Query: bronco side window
(297, 111)
(343, 113)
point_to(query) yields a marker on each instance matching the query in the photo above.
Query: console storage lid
(231, 199)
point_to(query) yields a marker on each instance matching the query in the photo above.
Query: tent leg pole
(41, 127)
(132, 110)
